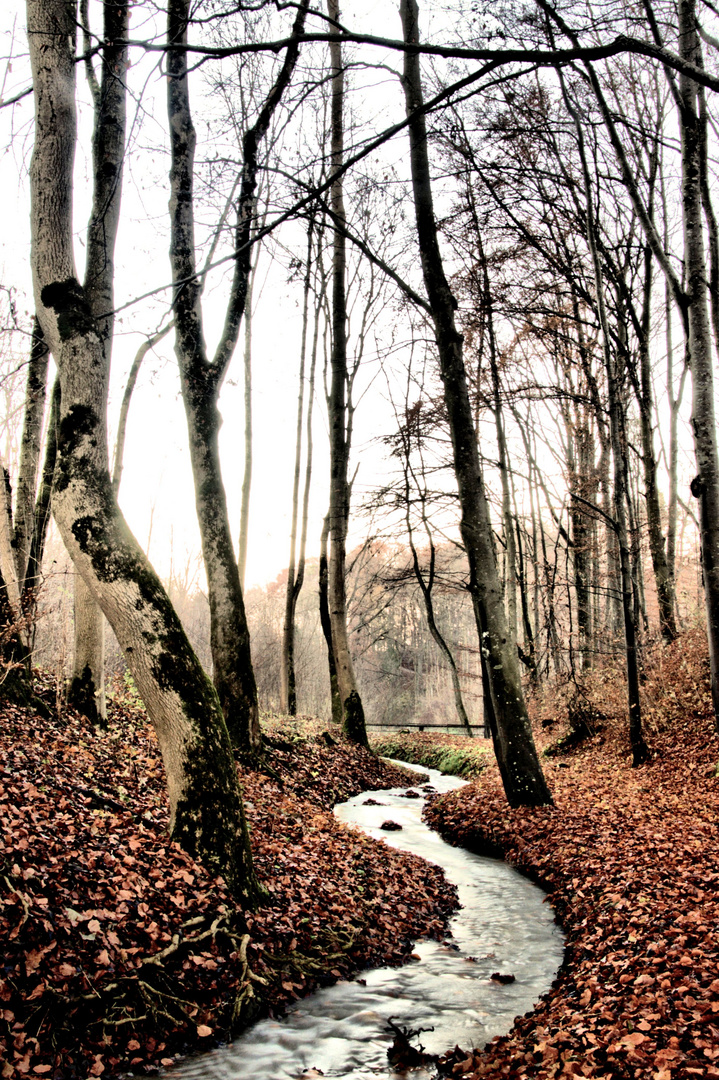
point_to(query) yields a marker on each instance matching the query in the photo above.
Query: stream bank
(631, 860)
(503, 952)
(92, 892)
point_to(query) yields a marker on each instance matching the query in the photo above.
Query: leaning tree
(206, 813)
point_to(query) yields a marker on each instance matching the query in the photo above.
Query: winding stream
(341, 1031)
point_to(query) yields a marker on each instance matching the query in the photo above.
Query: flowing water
(341, 1032)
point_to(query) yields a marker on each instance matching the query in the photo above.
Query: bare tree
(521, 772)
(339, 417)
(296, 570)
(201, 378)
(206, 814)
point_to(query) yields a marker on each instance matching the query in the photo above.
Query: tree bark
(519, 765)
(326, 623)
(201, 378)
(206, 814)
(42, 503)
(705, 486)
(35, 398)
(288, 679)
(247, 470)
(86, 691)
(353, 712)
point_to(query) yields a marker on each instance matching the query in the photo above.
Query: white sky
(157, 483)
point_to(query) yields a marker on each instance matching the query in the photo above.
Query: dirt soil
(630, 858)
(121, 953)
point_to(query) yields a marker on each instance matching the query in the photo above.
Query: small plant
(449, 754)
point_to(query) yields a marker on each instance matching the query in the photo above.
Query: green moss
(465, 758)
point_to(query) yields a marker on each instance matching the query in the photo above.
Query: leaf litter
(122, 953)
(630, 860)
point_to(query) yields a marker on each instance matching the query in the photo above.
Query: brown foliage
(630, 858)
(120, 952)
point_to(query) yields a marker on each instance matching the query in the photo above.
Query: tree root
(149, 993)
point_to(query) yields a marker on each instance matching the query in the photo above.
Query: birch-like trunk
(519, 765)
(206, 814)
(705, 486)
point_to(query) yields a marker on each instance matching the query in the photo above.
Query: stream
(341, 1031)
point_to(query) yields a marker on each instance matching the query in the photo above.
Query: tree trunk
(86, 690)
(519, 765)
(353, 712)
(326, 623)
(288, 679)
(664, 581)
(705, 486)
(15, 685)
(580, 536)
(508, 524)
(35, 397)
(206, 814)
(201, 379)
(42, 503)
(247, 469)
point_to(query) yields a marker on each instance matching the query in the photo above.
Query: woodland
(497, 227)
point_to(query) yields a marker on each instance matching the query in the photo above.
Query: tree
(339, 416)
(522, 776)
(407, 433)
(296, 571)
(201, 378)
(692, 298)
(206, 813)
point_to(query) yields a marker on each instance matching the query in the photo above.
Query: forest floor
(630, 859)
(120, 953)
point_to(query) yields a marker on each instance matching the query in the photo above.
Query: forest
(433, 356)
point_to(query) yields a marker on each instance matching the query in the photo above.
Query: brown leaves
(631, 859)
(94, 893)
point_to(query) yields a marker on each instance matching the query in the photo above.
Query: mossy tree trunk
(206, 814)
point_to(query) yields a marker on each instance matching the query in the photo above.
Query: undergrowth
(435, 751)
